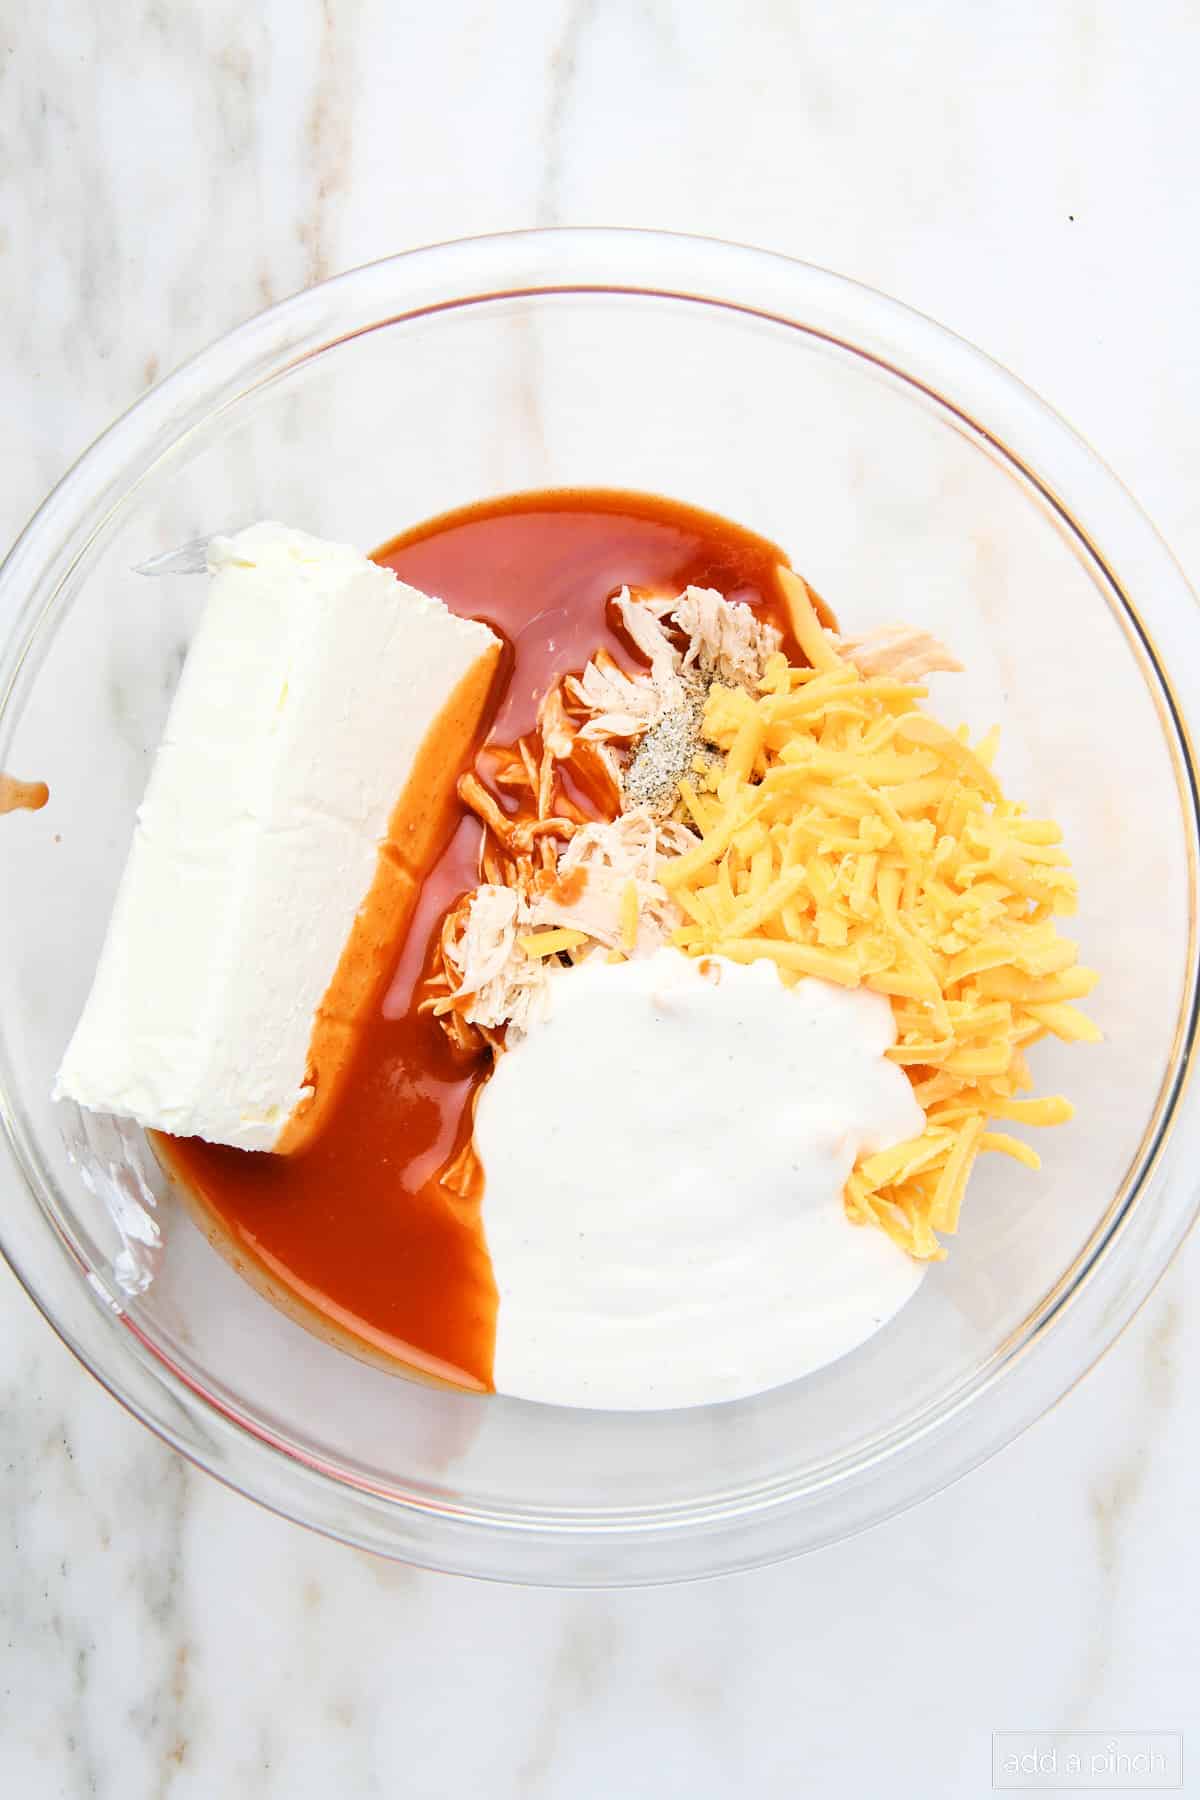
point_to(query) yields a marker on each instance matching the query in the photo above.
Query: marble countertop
(1025, 174)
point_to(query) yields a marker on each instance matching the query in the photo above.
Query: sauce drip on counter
(22, 796)
(357, 1235)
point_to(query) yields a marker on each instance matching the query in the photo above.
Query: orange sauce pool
(22, 796)
(356, 1235)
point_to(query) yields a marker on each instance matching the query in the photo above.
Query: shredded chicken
(608, 857)
(727, 641)
(619, 705)
(643, 620)
(558, 732)
(724, 641)
(500, 983)
(494, 984)
(488, 937)
(626, 740)
(517, 836)
(903, 651)
(647, 725)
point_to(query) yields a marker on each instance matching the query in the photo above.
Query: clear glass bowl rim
(1093, 1302)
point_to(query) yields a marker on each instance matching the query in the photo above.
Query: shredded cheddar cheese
(550, 943)
(629, 917)
(851, 836)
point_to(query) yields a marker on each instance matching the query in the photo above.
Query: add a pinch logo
(1095, 1761)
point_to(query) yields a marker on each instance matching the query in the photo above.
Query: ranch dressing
(664, 1159)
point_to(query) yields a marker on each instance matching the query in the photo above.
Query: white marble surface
(1027, 174)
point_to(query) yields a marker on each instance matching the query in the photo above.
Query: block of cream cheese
(305, 780)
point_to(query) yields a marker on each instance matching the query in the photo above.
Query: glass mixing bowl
(910, 479)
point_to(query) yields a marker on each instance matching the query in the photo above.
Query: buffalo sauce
(22, 796)
(356, 1234)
